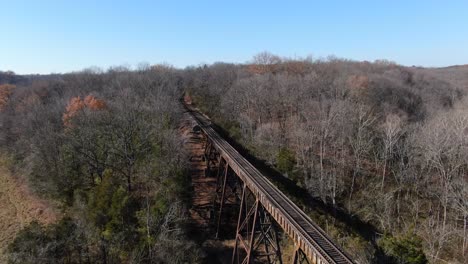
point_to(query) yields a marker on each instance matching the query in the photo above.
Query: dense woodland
(105, 147)
(384, 144)
(380, 150)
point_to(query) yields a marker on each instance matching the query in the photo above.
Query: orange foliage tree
(76, 104)
(93, 103)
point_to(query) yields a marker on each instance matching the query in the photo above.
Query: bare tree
(360, 141)
(444, 147)
(391, 132)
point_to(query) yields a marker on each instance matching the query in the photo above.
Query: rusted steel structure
(260, 203)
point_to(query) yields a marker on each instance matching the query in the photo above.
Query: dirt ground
(204, 192)
(18, 207)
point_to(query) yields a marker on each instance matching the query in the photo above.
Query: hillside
(455, 75)
(376, 145)
(104, 147)
(19, 208)
(11, 78)
(371, 151)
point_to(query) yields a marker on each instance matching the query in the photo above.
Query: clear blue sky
(60, 36)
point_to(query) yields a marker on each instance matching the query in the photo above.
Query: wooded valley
(376, 153)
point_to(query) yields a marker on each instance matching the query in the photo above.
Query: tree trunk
(384, 171)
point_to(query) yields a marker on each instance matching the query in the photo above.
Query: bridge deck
(312, 240)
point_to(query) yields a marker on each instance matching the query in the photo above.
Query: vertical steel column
(252, 234)
(300, 257)
(235, 253)
(223, 192)
(255, 233)
(207, 146)
(268, 238)
(220, 160)
(206, 157)
(211, 156)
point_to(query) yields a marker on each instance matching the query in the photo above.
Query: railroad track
(312, 240)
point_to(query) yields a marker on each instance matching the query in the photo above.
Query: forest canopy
(377, 142)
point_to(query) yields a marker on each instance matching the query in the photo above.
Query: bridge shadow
(301, 196)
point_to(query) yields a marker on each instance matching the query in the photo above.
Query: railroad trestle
(262, 209)
(256, 236)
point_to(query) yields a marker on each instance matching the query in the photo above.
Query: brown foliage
(26, 101)
(358, 82)
(261, 68)
(93, 103)
(5, 92)
(19, 207)
(76, 104)
(296, 67)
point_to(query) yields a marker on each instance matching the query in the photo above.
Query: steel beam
(300, 257)
(221, 203)
(256, 237)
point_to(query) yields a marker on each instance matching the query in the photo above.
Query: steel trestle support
(300, 257)
(256, 237)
